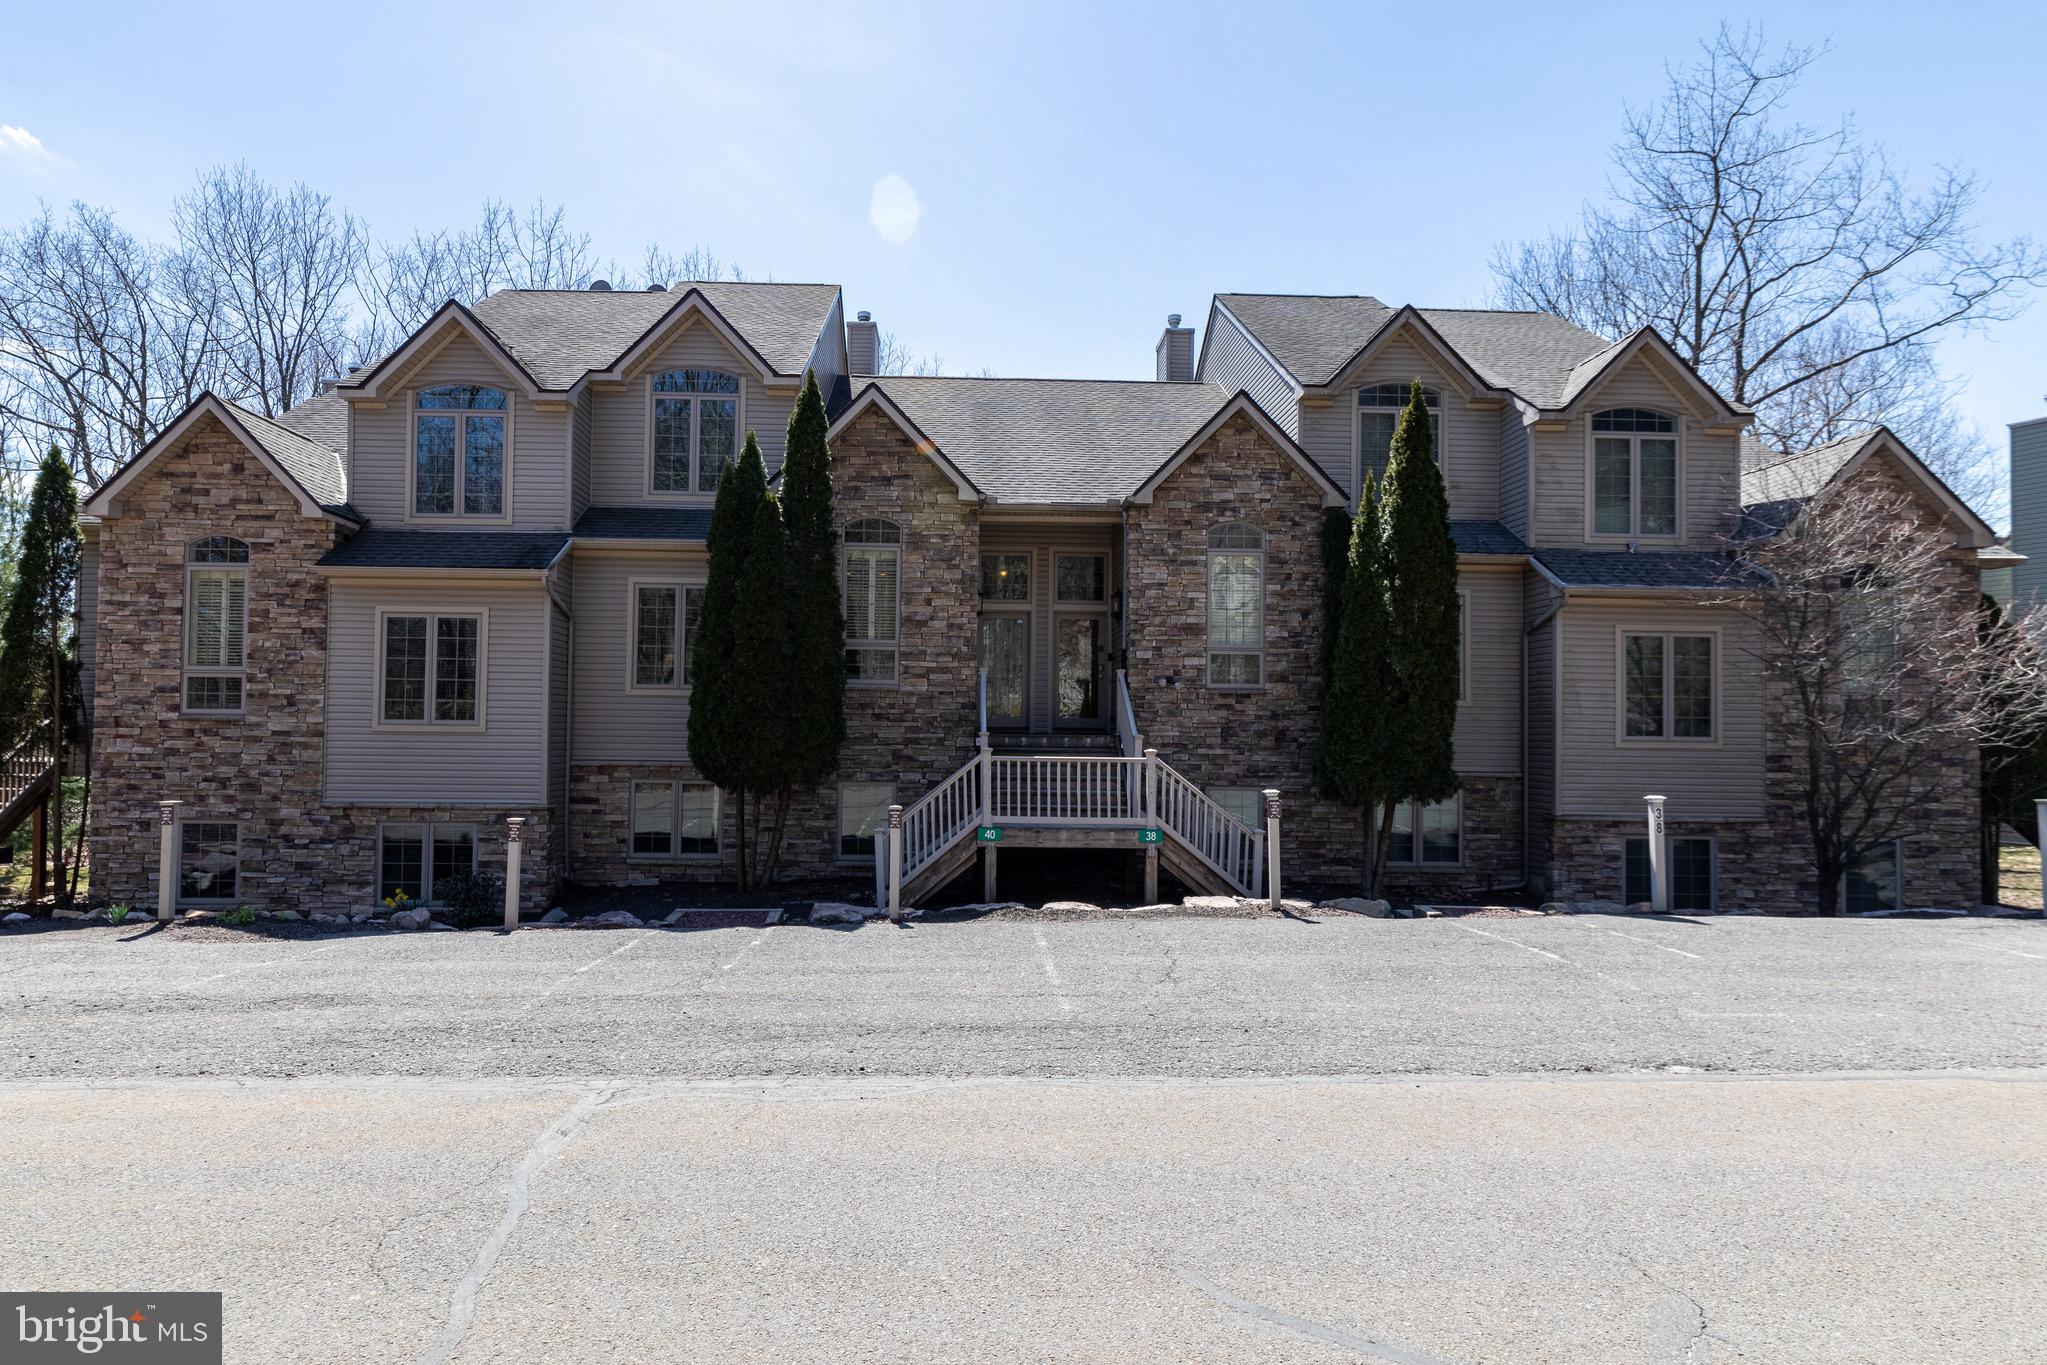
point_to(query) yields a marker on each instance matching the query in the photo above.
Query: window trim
(1712, 843)
(412, 512)
(178, 896)
(839, 853)
(893, 646)
(675, 787)
(1415, 809)
(433, 646)
(1622, 739)
(1209, 551)
(1257, 796)
(426, 856)
(683, 587)
(695, 492)
(1634, 440)
(1357, 430)
(187, 670)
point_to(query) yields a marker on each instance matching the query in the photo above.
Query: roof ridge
(666, 288)
(1189, 384)
(1251, 294)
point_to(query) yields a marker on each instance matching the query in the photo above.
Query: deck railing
(1067, 789)
(23, 766)
(1234, 850)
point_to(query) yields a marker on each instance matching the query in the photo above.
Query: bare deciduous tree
(892, 355)
(1793, 265)
(1866, 633)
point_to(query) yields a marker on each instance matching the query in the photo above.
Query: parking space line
(1529, 947)
(1051, 971)
(254, 966)
(2037, 957)
(1654, 944)
(744, 948)
(597, 961)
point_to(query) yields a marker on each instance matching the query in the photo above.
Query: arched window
(458, 451)
(1236, 606)
(1634, 473)
(873, 569)
(1379, 409)
(216, 623)
(694, 419)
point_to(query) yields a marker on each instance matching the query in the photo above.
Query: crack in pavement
(1686, 1352)
(1390, 1352)
(462, 1303)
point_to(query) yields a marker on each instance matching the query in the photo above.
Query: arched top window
(458, 451)
(873, 531)
(1379, 409)
(694, 418)
(1395, 396)
(1634, 473)
(217, 550)
(1236, 535)
(1236, 606)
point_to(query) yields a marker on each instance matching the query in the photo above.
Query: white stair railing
(1066, 789)
(941, 818)
(1231, 848)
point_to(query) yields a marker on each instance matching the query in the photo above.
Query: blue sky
(1081, 170)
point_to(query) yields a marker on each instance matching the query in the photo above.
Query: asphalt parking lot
(1419, 1142)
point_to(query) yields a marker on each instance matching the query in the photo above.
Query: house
(461, 585)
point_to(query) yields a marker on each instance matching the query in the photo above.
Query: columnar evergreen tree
(720, 716)
(37, 671)
(1421, 576)
(757, 674)
(814, 694)
(1359, 734)
(1336, 534)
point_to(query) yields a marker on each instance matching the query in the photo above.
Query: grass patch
(2018, 876)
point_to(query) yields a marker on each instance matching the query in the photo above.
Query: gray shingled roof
(1695, 569)
(644, 523)
(1314, 336)
(378, 547)
(1055, 440)
(316, 466)
(561, 334)
(1485, 538)
(1776, 487)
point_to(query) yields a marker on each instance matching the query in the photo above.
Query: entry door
(1006, 655)
(1080, 645)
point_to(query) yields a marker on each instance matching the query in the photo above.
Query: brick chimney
(1176, 352)
(863, 344)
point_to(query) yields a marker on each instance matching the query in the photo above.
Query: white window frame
(1620, 681)
(178, 864)
(839, 853)
(696, 491)
(683, 588)
(427, 875)
(433, 648)
(1210, 551)
(894, 645)
(1357, 429)
(1225, 796)
(676, 786)
(461, 416)
(1414, 815)
(1634, 440)
(190, 670)
(1669, 840)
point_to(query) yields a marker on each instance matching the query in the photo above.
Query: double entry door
(1013, 610)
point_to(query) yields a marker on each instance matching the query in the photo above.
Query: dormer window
(458, 451)
(1379, 409)
(695, 423)
(1634, 473)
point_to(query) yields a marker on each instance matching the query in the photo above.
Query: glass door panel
(1006, 655)
(1080, 669)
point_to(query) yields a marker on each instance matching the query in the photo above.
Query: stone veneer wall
(262, 769)
(1492, 849)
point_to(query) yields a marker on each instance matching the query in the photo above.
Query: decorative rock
(674, 916)
(1410, 911)
(16, 917)
(360, 917)
(408, 919)
(68, 914)
(1359, 905)
(775, 915)
(286, 914)
(555, 916)
(1071, 908)
(436, 924)
(1210, 903)
(837, 912)
(614, 919)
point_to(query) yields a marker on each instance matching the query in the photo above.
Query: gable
(435, 335)
(1237, 453)
(308, 473)
(1409, 349)
(1643, 370)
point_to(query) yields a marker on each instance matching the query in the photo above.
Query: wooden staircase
(27, 774)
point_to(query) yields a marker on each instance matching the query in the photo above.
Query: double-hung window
(1428, 835)
(416, 859)
(1869, 642)
(1667, 683)
(1634, 473)
(216, 624)
(1245, 805)
(1691, 873)
(874, 556)
(694, 418)
(1379, 409)
(431, 668)
(458, 451)
(209, 860)
(863, 815)
(1236, 606)
(674, 820)
(1875, 881)
(664, 632)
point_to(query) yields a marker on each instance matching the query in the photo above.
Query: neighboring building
(2028, 581)
(462, 585)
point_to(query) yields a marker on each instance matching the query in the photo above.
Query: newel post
(1659, 864)
(166, 860)
(1272, 848)
(514, 846)
(1152, 821)
(895, 863)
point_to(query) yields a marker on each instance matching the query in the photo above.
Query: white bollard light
(167, 861)
(1659, 864)
(1271, 848)
(514, 845)
(895, 864)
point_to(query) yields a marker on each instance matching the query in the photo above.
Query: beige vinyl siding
(1471, 460)
(828, 357)
(1044, 544)
(1489, 718)
(502, 764)
(538, 477)
(1234, 363)
(560, 666)
(2029, 512)
(1599, 776)
(612, 723)
(579, 456)
(618, 419)
(1709, 467)
(1540, 629)
(88, 618)
(1514, 474)
(561, 580)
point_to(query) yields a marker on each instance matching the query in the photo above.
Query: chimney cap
(864, 316)
(657, 288)
(1172, 319)
(600, 286)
